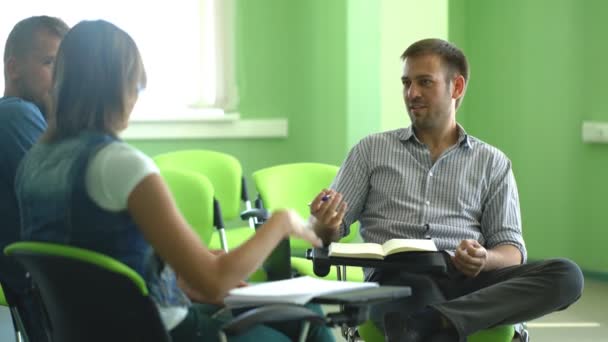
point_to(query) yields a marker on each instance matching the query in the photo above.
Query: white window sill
(213, 126)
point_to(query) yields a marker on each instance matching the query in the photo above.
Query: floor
(585, 321)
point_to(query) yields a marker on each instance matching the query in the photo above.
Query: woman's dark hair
(98, 72)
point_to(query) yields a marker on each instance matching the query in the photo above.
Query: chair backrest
(193, 194)
(89, 296)
(293, 185)
(223, 170)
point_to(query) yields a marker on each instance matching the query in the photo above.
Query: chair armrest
(218, 221)
(260, 214)
(269, 314)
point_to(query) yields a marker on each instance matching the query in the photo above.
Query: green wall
(362, 69)
(290, 59)
(537, 71)
(378, 33)
(403, 23)
(331, 68)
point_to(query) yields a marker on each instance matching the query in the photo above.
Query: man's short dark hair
(20, 41)
(451, 56)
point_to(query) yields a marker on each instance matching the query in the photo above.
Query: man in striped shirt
(432, 178)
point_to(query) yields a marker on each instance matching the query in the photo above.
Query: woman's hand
(295, 226)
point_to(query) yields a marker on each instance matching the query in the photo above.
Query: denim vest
(55, 207)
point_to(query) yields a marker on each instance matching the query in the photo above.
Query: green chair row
(291, 185)
(225, 174)
(283, 186)
(194, 196)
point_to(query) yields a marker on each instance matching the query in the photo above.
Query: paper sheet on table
(295, 291)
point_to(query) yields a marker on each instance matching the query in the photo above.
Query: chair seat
(504, 333)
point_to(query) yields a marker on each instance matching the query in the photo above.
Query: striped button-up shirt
(395, 190)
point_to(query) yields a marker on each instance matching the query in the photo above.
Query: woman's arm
(153, 210)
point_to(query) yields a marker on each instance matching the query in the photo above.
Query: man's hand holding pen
(327, 210)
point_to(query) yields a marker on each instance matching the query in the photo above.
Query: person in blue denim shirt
(29, 55)
(82, 185)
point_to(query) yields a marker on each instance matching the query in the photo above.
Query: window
(186, 45)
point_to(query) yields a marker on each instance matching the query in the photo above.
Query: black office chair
(89, 296)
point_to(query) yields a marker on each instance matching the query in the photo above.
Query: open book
(292, 291)
(377, 251)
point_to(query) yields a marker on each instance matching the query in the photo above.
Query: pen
(323, 199)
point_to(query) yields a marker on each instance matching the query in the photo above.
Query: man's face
(34, 72)
(426, 92)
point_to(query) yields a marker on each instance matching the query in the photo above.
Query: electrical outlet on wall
(595, 132)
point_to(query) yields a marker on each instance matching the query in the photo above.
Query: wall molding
(597, 275)
(229, 126)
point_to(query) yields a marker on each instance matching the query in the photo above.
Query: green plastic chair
(89, 296)
(193, 195)
(226, 174)
(294, 186)
(504, 333)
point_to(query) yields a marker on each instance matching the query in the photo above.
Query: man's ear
(459, 86)
(12, 69)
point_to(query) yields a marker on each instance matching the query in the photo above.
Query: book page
(408, 245)
(356, 250)
(296, 291)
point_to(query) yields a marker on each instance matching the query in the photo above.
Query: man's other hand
(470, 257)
